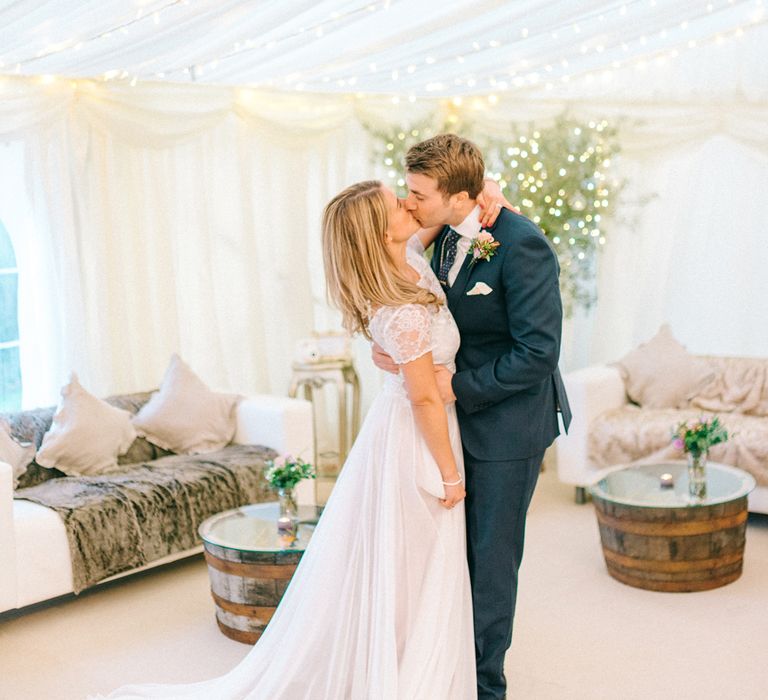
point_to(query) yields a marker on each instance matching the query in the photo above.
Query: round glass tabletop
(641, 485)
(254, 528)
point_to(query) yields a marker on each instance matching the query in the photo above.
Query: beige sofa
(609, 430)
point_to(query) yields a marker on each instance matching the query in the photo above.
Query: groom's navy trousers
(508, 394)
(498, 495)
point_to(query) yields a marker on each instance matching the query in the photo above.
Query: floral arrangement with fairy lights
(559, 176)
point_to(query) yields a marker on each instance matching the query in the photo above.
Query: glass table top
(641, 485)
(254, 528)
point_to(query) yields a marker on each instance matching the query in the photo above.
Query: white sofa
(592, 392)
(35, 562)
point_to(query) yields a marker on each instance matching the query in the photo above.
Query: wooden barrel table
(662, 539)
(250, 566)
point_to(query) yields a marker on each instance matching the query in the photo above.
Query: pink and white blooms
(483, 247)
(697, 436)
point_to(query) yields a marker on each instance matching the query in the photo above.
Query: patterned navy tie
(448, 256)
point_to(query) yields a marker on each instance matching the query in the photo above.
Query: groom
(502, 288)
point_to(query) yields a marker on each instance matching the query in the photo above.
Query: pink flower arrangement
(697, 436)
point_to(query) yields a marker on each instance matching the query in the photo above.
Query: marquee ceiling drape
(412, 48)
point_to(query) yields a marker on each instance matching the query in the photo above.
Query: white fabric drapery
(184, 221)
(157, 217)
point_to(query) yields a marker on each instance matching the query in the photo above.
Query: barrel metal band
(674, 586)
(664, 566)
(258, 612)
(251, 570)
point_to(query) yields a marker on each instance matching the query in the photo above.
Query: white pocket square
(479, 288)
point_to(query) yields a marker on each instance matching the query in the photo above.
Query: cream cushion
(87, 434)
(18, 455)
(185, 416)
(662, 373)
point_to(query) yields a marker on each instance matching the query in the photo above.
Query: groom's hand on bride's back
(383, 361)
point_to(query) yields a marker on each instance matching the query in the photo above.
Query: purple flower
(678, 444)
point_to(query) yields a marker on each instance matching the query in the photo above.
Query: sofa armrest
(7, 540)
(285, 425)
(591, 391)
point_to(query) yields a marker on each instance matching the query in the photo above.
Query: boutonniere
(483, 247)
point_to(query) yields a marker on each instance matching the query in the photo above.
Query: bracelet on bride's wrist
(453, 483)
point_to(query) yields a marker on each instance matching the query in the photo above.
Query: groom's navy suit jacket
(508, 386)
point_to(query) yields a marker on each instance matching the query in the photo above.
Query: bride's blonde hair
(359, 272)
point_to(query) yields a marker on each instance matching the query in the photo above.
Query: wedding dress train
(379, 606)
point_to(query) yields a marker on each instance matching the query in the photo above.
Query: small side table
(660, 539)
(248, 565)
(341, 373)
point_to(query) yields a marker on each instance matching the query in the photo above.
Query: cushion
(87, 434)
(185, 416)
(141, 450)
(18, 455)
(662, 373)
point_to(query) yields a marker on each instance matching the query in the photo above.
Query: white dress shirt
(468, 230)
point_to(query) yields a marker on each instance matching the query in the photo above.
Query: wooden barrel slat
(672, 548)
(657, 548)
(246, 570)
(712, 574)
(671, 514)
(670, 529)
(671, 566)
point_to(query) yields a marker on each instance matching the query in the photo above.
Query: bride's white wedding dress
(379, 606)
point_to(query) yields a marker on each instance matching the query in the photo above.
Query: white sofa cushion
(185, 416)
(662, 374)
(87, 434)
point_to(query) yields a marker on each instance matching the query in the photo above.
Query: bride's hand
(453, 495)
(491, 201)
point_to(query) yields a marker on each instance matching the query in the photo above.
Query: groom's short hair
(454, 162)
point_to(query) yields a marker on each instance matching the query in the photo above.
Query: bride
(379, 606)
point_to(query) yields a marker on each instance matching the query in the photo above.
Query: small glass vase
(697, 474)
(289, 511)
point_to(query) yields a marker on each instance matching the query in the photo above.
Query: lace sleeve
(404, 332)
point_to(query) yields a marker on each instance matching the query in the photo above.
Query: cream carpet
(579, 634)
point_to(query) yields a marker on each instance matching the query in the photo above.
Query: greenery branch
(285, 471)
(560, 176)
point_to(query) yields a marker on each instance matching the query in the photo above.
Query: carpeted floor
(579, 634)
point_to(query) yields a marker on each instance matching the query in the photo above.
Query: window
(10, 372)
